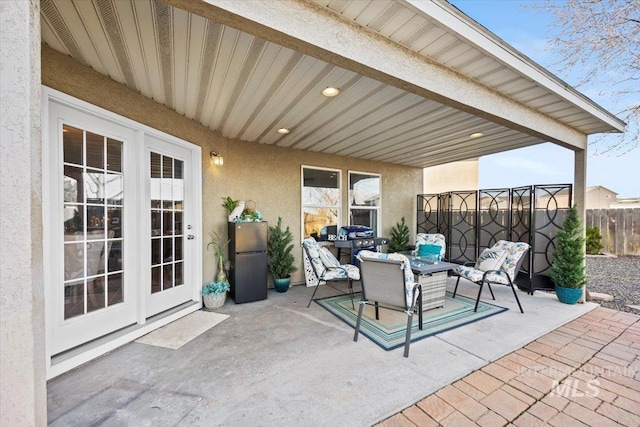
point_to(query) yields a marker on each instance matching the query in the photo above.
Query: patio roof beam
(373, 56)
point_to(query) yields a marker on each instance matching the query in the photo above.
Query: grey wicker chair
(387, 282)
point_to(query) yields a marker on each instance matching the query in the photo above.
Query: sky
(528, 31)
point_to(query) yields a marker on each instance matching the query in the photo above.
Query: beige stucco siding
(268, 175)
(456, 176)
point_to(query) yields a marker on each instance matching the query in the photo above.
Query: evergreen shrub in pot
(567, 267)
(281, 261)
(399, 237)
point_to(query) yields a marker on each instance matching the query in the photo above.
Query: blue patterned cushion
(327, 258)
(474, 275)
(514, 251)
(326, 265)
(491, 259)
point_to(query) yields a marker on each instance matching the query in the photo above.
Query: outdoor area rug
(389, 332)
(176, 334)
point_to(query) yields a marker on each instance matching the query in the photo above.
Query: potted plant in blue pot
(281, 261)
(567, 267)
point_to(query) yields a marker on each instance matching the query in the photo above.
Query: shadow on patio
(275, 362)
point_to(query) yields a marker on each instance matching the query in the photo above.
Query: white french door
(121, 216)
(169, 228)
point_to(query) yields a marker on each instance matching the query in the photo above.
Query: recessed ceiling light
(476, 135)
(283, 131)
(331, 91)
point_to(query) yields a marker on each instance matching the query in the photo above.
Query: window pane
(155, 166)
(95, 294)
(364, 190)
(95, 151)
(73, 221)
(114, 188)
(115, 256)
(73, 299)
(114, 155)
(94, 186)
(114, 222)
(114, 289)
(73, 260)
(320, 223)
(366, 217)
(72, 145)
(73, 184)
(321, 187)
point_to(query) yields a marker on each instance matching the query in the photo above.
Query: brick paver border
(586, 372)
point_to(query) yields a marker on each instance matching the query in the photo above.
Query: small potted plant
(214, 294)
(567, 267)
(281, 260)
(399, 237)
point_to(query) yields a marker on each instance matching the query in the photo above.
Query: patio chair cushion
(409, 278)
(431, 239)
(331, 270)
(514, 251)
(475, 275)
(327, 258)
(491, 259)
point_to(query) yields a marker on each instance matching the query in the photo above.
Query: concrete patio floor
(276, 362)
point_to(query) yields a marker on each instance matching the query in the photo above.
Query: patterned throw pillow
(327, 258)
(491, 259)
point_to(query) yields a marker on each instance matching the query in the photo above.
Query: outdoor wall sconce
(218, 160)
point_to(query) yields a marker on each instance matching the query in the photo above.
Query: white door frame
(51, 222)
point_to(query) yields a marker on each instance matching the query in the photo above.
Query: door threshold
(77, 356)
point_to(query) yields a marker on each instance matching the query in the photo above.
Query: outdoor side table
(433, 278)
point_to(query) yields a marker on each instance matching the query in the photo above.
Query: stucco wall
(22, 354)
(456, 176)
(268, 175)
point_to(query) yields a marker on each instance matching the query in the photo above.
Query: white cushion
(327, 258)
(491, 259)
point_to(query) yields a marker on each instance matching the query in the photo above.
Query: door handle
(190, 237)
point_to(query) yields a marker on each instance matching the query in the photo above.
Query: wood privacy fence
(620, 229)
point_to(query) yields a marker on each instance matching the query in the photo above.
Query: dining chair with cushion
(430, 245)
(496, 265)
(388, 282)
(325, 267)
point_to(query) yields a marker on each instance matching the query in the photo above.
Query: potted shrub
(281, 260)
(567, 267)
(399, 237)
(214, 294)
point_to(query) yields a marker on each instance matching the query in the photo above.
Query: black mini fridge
(248, 257)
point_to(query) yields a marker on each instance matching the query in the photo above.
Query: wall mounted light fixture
(218, 160)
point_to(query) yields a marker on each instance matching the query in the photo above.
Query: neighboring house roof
(596, 187)
(416, 78)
